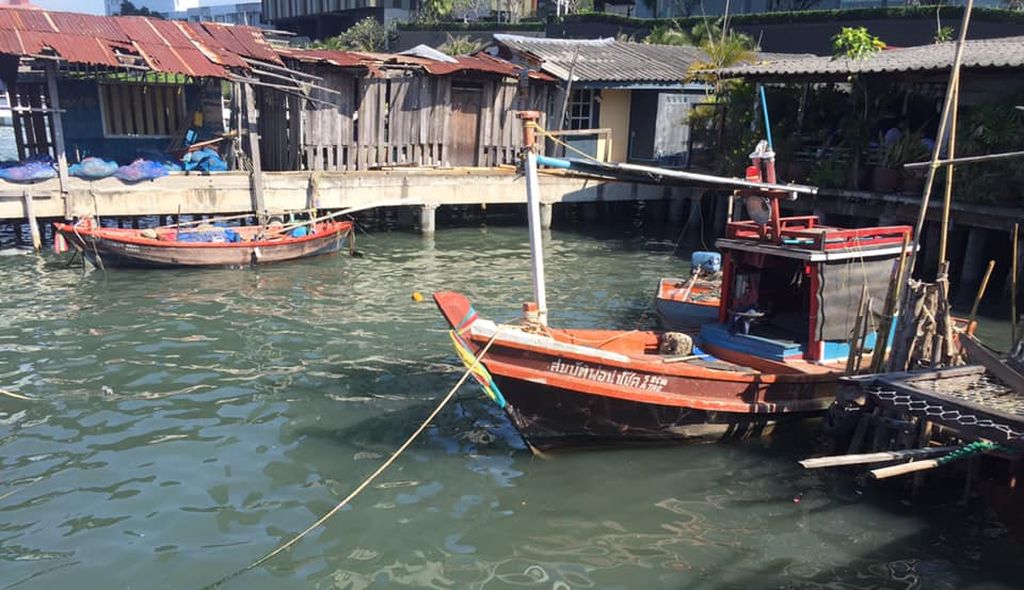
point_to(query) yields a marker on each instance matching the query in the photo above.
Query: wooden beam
(880, 457)
(256, 177)
(57, 122)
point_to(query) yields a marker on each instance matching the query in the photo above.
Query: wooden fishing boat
(685, 304)
(799, 306)
(775, 352)
(192, 247)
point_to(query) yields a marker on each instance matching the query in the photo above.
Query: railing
(596, 143)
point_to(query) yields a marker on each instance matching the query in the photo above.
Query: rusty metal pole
(533, 212)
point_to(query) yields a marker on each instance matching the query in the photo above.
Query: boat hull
(551, 417)
(109, 250)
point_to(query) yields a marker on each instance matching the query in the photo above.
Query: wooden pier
(231, 192)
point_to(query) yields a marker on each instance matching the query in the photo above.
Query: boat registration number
(610, 376)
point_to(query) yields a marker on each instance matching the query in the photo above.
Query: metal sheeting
(606, 60)
(1005, 52)
(174, 47)
(375, 62)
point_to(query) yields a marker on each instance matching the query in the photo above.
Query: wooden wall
(401, 119)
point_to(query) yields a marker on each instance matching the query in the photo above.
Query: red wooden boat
(171, 247)
(775, 352)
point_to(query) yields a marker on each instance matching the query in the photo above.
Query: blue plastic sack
(707, 262)
(140, 170)
(300, 232)
(31, 171)
(210, 236)
(93, 168)
(204, 160)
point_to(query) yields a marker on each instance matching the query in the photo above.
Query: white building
(162, 6)
(247, 13)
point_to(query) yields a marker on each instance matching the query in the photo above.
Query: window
(152, 110)
(581, 109)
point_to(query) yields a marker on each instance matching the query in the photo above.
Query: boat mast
(533, 213)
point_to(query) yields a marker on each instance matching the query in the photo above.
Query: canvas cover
(839, 292)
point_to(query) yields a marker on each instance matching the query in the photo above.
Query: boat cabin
(795, 293)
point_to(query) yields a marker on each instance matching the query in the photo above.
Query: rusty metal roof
(174, 47)
(375, 62)
(1006, 52)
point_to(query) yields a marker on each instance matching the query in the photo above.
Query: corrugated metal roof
(605, 60)
(1006, 52)
(200, 50)
(375, 61)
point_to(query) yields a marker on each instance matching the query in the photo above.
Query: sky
(91, 6)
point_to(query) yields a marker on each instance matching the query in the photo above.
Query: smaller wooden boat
(686, 304)
(206, 246)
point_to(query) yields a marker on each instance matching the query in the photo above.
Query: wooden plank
(147, 102)
(161, 108)
(486, 117)
(880, 457)
(979, 354)
(138, 117)
(57, 124)
(256, 177)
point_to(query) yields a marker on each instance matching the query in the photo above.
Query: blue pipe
(767, 122)
(554, 162)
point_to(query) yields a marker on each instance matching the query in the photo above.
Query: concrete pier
(428, 219)
(229, 192)
(546, 213)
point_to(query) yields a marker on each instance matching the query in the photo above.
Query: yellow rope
(394, 456)
(548, 135)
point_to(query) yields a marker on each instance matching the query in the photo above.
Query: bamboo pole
(858, 459)
(978, 296)
(1013, 287)
(954, 76)
(904, 468)
(947, 201)
(855, 338)
(892, 299)
(967, 160)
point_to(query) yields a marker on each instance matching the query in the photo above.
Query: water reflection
(184, 424)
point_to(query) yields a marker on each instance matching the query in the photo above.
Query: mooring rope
(394, 456)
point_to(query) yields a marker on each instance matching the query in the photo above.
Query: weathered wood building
(371, 110)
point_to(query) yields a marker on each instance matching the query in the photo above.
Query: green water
(185, 423)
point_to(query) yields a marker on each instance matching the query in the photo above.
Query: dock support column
(974, 256)
(256, 179)
(546, 213)
(33, 227)
(677, 205)
(57, 120)
(428, 219)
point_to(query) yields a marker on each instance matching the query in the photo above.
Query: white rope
(394, 456)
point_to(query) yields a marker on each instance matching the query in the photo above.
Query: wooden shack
(373, 110)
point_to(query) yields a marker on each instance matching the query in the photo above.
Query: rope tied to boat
(366, 482)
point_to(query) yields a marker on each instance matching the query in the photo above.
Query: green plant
(366, 35)
(943, 34)
(855, 43)
(461, 45)
(828, 173)
(908, 148)
(665, 34)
